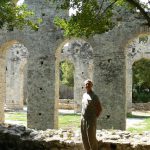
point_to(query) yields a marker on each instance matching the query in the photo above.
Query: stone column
(81, 74)
(2, 88)
(129, 85)
(42, 89)
(110, 79)
(41, 70)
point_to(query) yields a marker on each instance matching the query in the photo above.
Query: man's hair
(88, 81)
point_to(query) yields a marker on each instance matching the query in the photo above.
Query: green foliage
(141, 97)
(70, 121)
(141, 73)
(67, 70)
(90, 19)
(12, 16)
(141, 81)
(92, 16)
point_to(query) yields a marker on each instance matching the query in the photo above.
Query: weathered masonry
(44, 54)
(81, 54)
(16, 59)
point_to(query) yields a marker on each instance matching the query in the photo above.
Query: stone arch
(16, 59)
(109, 68)
(3, 50)
(80, 53)
(136, 49)
(110, 73)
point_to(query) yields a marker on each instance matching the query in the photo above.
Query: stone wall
(41, 77)
(20, 138)
(44, 47)
(110, 79)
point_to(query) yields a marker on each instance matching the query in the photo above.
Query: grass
(67, 121)
(72, 121)
(16, 116)
(141, 127)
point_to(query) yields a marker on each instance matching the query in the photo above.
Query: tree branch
(111, 5)
(138, 6)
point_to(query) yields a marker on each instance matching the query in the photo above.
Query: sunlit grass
(66, 121)
(69, 121)
(141, 127)
(72, 121)
(16, 116)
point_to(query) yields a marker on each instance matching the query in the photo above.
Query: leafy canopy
(12, 15)
(93, 16)
(141, 81)
(141, 73)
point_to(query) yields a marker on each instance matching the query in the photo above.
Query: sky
(20, 2)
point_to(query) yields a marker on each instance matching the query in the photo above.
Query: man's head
(88, 85)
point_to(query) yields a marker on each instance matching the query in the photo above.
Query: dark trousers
(88, 131)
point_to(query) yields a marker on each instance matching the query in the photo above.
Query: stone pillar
(2, 88)
(109, 85)
(109, 79)
(129, 86)
(41, 74)
(42, 106)
(82, 72)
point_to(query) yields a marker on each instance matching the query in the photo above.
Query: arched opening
(136, 50)
(13, 61)
(80, 53)
(16, 60)
(141, 81)
(66, 89)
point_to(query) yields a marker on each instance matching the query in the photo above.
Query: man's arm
(98, 107)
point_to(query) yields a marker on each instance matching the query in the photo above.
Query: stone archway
(137, 49)
(80, 53)
(16, 60)
(3, 50)
(42, 79)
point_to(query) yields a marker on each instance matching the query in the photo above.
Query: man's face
(88, 86)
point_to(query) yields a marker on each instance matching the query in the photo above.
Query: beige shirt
(89, 102)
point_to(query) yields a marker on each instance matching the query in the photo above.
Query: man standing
(91, 109)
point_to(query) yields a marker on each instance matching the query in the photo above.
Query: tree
(141, 73)
(141, 81)
(67, 70)
(93, 17)
(12, 15)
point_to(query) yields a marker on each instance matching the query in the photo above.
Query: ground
(138, 121)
